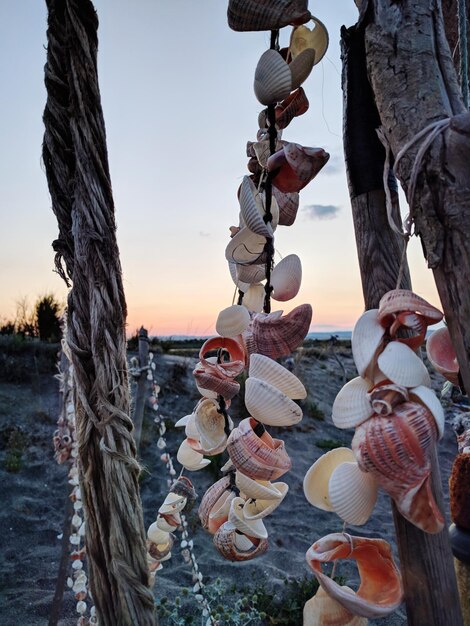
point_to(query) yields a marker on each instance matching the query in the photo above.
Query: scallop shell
(156, 534)
(322, 609)
(264, 368)
(252, 209)
(273, 78)
(352, 493)
(190, 459)
(264, 490)
(294, 105)
(270, 406)
(442, 355)
(396, 450)
(366, 342)
(246, 248)
(318, 476)
(251, 274)
(226, 538)
(249, 527)
(402, 366)
(210, 498)
(233, 274)
(296, 166)
(288, 206)
(351, 406)
(301, 67)
(254, 15)
(399, 300)
(427, 397)
(232, 321)
(286, 278)
(253, 299)
(303, 38)
(257, 509)
(380, 592)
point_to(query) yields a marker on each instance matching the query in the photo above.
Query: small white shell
(286, 278)
(257, 509)
(351, 406)
(273, 79)
(318, 476)
(425, 396)
(252, 209)
(189, 458)
(270, 406)
(245, 247)
(210, 425)
(262, 489)
(233, 274)
(172, 503)
(402, 366)
(264, 368)
(157, 535)
(253, 299)
(232, 321)
(366, 339)
(352, 493)
(222, 506)
(162, 524)
(252, 528)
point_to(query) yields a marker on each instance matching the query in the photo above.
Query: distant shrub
(47, 316)
(329, 444)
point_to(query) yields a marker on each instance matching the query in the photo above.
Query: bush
(47, 314)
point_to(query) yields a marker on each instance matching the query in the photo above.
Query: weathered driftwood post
(426, 559)
(142, 385)
(75, 158)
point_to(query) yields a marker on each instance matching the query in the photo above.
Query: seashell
(242, 542)
(351, 406)
(264, 490)
(220, 511)
(385, 396)
(168, 521)
(295, 166)
(294, 105)
(322, 609)
(413, 323)
(172, 503)
(274, 335)
(160, 550)
(212, 386)
(253, 210)
(301, 66)
(259, 456)
(225, 540)
(317, 478)
(156, 534)
(396, 450)
(398, 300)
(211, 426)
(426, 397)
(273, 78)
(270, 406)
(250, 527)
(224, 368)
(210, 498)
(253, 299)
(352, 493)
(288, 206)
(302, 38)
(251, 273)
(257, 509)
(380, 591)
(232, 321)
(233, 273)
(264, 368)
(262, 152)
(190, 459)
(442, 355)
(246, 248)
(253, 15)
(190, 430)
(184, 487)
(286, 278)
(402, 366)
(366, 342)
(228, 466)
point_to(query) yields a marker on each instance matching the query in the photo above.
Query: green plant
(47, 316)
(329, 444)
(312, 410)
(16, 443)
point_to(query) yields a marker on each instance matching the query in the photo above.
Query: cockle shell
(295, 166)
(246, 248)
(264, 490)
(352, 493)
(396, 450)
(366, 342)
(270, 406)
(402, 366)
(303, 38)
(254, 15)
(288, 206)
(257, 508)
(398, 300)
(322, 610)
(317, 478)
(275, 335)
(351, 406)
(157, 535)
(273, 78)
(172, 503)
(252, 208)
(225, 540)
(232, 321)
(233, 274)
(442, 355)
(380, 591)
(190, 459)
(225, 368)
(427, 397)
(294, 105)
(258, 456)
(253, 299)
(264, 368)
(249, 527)
(301, 66)
(286, 278)
(210, 425)
(209, 499)
(251, 274)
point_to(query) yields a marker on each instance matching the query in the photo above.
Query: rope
(76, 164)
(463, 48)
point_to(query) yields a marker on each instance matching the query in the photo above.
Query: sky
(177, 94)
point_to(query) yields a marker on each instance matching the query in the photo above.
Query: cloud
(204, 234)
(321, 211)
(334, 166)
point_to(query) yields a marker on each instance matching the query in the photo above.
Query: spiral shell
(294, 105)
(209, 499)
(257, 489)
(225, 540)
(398, 300)
(257, 509)
(250, 527)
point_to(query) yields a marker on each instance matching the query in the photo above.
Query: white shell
(222, 506)
(242, 542)
(273, 79)
(318, 476)
(252, 208)
(351, 406)
(253, 299)
(189, 458)
(303, 38)
(270, 406)
(232, 321)
(157, 535)
(366, 339)
(352, 493)
(252, 528)
(172, 503)
(264, 368)
(251, 273)
(427, 397)
(245, 247)
(262, 489)
(233, 274)
(286, 278)
(210, 425)
(164, 525)
(257, 509)
(182, 421)
(402, 366)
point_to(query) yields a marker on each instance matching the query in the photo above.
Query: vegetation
(42, 321)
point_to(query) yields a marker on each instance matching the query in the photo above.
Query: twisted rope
(77, 170)
(463, 47)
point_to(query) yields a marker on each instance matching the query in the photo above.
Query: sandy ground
(33, 498)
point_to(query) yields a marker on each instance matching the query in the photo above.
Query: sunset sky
(176, 87)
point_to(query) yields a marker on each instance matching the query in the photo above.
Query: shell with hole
(249, 527)
(286, 278)
(255, 508)
(272, 372)
(380, 591)
(294, 105)
(317, 478)
(270, 406)
(273, 78)
(288, 206)
(351, 406)
(295, 166)
(322, 609)
(190, 459)
(236, 547)
(252, 208)
(396, 450)
(210, 385)
(232, 321)
(231, 366)
(257, 489)
(352, 493)
(211, 426)
(398, 300)
(209, 499)
(366, 342)
(402, 366)
(442, 355)
(304, 38)
(219, 512)
(254, 15)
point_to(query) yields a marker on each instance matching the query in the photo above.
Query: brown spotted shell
(254, 15)
(224, 541)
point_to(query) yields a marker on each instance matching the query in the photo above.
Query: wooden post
(426, 560)
(142, 385)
